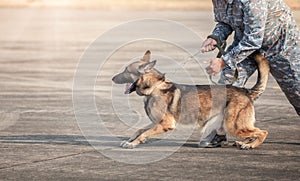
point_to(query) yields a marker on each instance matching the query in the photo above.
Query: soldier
(258, 25)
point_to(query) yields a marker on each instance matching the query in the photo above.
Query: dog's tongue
(127, 88)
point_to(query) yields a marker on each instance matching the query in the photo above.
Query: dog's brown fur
(178, 102)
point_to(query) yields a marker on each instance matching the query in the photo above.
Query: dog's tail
(262, 79)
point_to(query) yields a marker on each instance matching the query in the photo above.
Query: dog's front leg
(136, 134)
(168, 123)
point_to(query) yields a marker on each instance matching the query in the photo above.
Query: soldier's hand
(208, 45)
(215, 66)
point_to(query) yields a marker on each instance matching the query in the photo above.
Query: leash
(187, 60)
(221, 46)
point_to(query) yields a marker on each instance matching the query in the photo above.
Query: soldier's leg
(207, 141)
(285, 63)
(286, 71)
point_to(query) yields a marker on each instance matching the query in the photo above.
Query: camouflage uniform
(262, 25)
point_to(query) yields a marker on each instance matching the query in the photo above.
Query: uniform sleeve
(222, 30)
(255, 15)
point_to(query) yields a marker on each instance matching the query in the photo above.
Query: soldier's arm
(222, 30)
(255, 15)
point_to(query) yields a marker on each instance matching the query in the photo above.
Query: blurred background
(121, 4)
(42, 41)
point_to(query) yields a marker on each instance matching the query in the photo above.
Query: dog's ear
(146, 67)
(147, 56)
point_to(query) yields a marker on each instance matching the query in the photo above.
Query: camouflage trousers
(285, 69)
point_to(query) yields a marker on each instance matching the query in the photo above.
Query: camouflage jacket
(263, 25)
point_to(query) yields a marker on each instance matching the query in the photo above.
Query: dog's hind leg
(256, 134)
(167, 124)
(245, 141)
(239, 121)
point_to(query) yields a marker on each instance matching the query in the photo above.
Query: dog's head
(148, 83)
(134, 71)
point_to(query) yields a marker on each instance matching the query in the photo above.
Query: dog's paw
(126, 144)
(122, 143)
(238, 143)
(245, 146)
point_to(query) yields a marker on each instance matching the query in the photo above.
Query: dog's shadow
(114, 141)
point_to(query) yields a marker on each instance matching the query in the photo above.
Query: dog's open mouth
(127, 88)
(130, 87)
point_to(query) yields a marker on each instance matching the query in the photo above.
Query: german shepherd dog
(176, 102)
